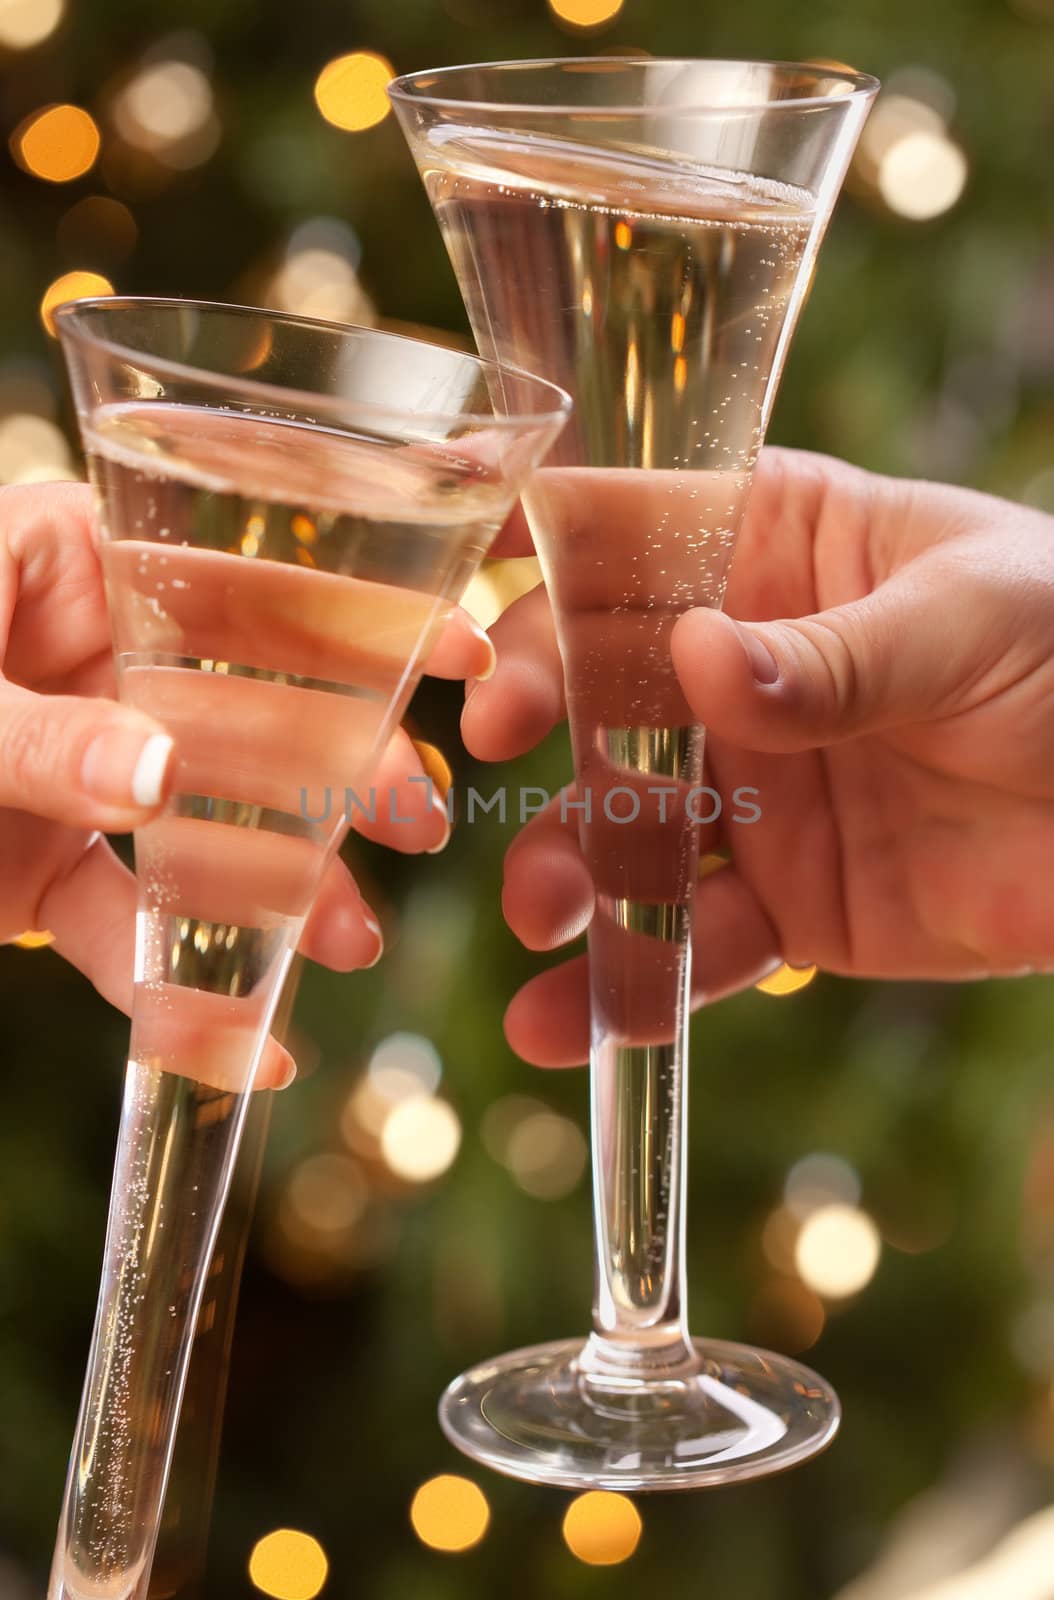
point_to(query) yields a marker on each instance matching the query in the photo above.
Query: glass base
(727, 1414)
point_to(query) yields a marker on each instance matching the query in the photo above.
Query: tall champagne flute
(643, 233)
(289, 512)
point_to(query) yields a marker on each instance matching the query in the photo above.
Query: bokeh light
(318, 276)
(449, 1513)
(837, 1251)
(501, 1119)
(59, 143)
(820, 1179)
(167, 110)
(786, 980)
(405, 1064)
(34, 940)
(602, 1529)
(24, 23)
(351, 91)
(585, 13)
(288, 1565)
(546, 1154)
(71, 286)
(435, 765)
(33, 449)
(497, 585)
(786, 1315)
(421, 1138)
(922, 175)
(779, 1239)
(893, 117)
(327, 1193)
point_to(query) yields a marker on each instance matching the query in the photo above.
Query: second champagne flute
(641, 232)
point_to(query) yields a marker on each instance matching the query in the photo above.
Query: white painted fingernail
(121, 768)
(148, 776)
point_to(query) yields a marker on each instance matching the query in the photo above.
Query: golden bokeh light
(435, 766)
(420, 1138)
(71, 286)
(786, 980)
(601, 1528)
(449, 1513)
(34, 940)
(837, 1251)
(497, 585)
(168, 110)
(24, 23)
(327, 1193)
(59, 143)
(481, 599)
(351, 91)
(779, 1239)
(786, 1315)
(546, 1154)
(288, 1565)
(586, 13)
(321, 283)
(922, 175)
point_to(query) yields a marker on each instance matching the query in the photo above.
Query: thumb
(895, 657)
(87, 763)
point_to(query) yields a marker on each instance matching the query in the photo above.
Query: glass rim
(67, 318)
(403, 88)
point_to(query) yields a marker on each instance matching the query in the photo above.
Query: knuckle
(26, 749)
(834, 665)
(37, 747)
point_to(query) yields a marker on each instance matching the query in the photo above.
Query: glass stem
(640, 972)
(176, 1154)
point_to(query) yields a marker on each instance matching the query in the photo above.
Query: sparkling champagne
(662, 297)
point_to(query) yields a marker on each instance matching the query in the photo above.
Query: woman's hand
(75, 764)
(890, 698)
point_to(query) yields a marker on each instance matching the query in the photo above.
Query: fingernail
(122, 768)
(492, 662)
(434, 849)
(288, 1072)
(374, 927)
(763, 663)
(483, 637)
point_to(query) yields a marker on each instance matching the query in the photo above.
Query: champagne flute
(289, 512)
(643, 233)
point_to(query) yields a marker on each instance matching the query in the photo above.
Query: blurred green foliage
(925, 348)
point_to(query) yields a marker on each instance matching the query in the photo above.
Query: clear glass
(289, 512)
(643, 233)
